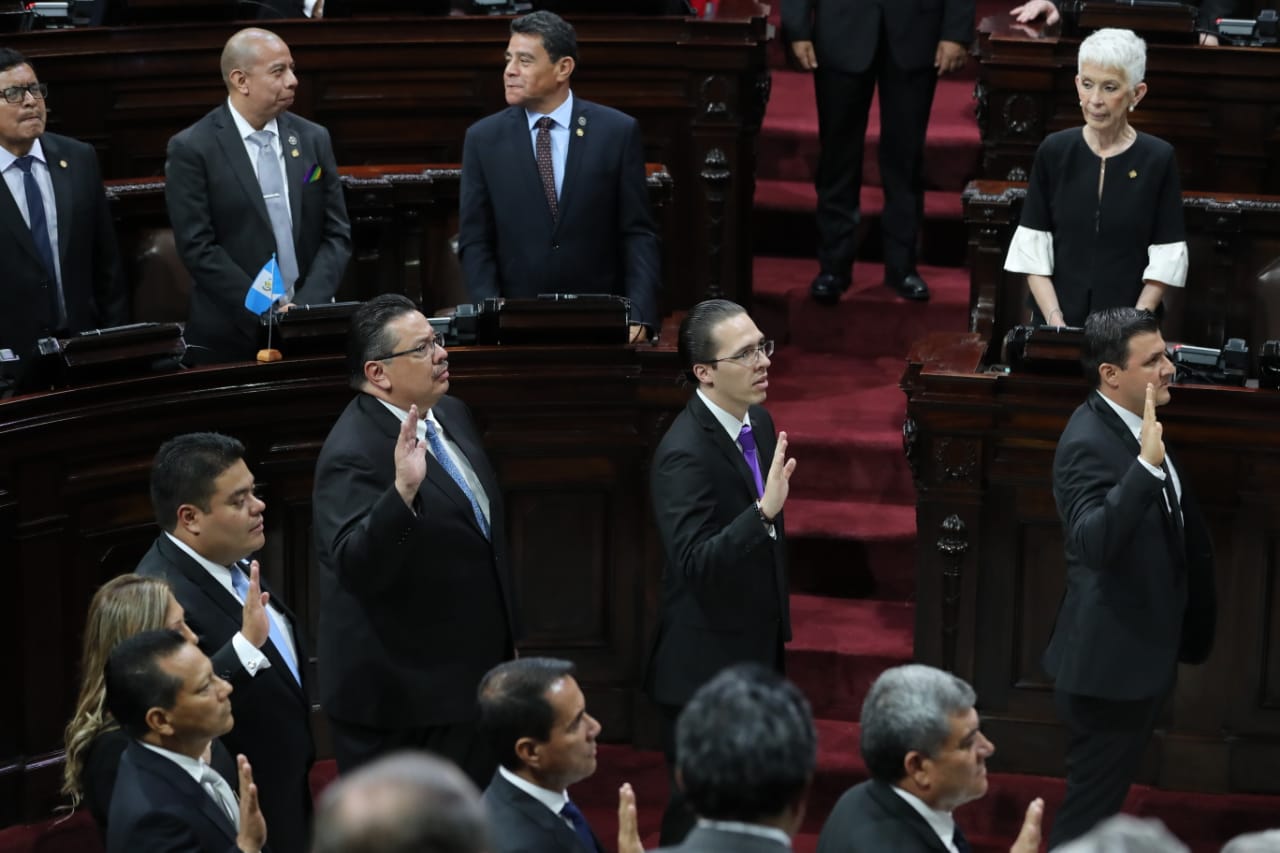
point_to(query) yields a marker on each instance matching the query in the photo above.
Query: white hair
(1115, 50)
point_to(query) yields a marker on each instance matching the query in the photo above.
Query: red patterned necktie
(545, 169)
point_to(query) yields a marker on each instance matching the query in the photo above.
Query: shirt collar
(194, 767)
(561, 115)
(551, 799)
(7, 157)
(222, 573)
(942, 823)
(731, 425)
(401, 414)
(1132, 421)
(770, 832)
(244, 128)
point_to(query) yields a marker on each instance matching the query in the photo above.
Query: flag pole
(265, 356)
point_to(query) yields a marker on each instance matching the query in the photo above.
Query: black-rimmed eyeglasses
(15, 94)
(749, 356)
(422, 350)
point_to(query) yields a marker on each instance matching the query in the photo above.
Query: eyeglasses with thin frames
(422, 350)
(16, 94)
(750, 356)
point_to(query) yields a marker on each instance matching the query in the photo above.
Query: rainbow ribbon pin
(314, 174)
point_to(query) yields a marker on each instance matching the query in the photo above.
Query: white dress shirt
(455, 453)
(553, 800)
(561, 115)
(942, 823)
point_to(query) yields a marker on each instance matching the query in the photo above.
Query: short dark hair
(558, 36)
(1106, 337)
(368, 337)
(746, 746)
(10, 58)
(134, 681)
(513, 703)
(694, 341)
(405, 802)
(184, 471)
(909, 709)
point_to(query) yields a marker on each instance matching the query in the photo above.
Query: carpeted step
(850, 548)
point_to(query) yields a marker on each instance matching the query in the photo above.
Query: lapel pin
(1133, 173)
(580, 133)
(293, 140)
(62, 163)
(294, 153)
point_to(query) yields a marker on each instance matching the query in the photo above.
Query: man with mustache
(719, 480)
(415, 592)
(247, 181)
(1140, 593)
(62, 265)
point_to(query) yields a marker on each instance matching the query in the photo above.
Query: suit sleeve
(324, 272)
(164, 831)
(186, 194)
(797, 20)
(957, 21)
(638, 240)
(110, 293)
(477, 230)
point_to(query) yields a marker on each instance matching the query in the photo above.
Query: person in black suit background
(535, 716)
(746, 750)
(599, 236)
(415, 593)
(1140, 590)
(719, 481)
(854, 47)
(202, 493)
(926, 753)
(223, 185)
(77, 284)
(167, 697)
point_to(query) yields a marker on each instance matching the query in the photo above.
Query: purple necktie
(546, 170)
(748, 442)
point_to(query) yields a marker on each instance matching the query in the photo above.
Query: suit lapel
(183, 785)
(60, 176)
(580, 121)
(524, 164)
(295, 169)
(726, 446)
(560, 836)
(237, 158)
(1112, 421)
(895, 805)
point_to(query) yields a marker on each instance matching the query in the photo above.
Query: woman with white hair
(1102, 222)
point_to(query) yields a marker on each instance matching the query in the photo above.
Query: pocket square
(313, 174)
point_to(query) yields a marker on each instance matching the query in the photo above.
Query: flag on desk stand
(266, 290)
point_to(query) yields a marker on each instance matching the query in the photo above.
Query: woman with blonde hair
(122, 607)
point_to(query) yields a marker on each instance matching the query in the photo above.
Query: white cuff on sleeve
(1167, 264)
(251, 659)
(1030, 252)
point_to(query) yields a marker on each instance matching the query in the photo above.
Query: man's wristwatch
(764, 519)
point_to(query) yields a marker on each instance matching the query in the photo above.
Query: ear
(189, 516)
(914, 766)
(1109, 374)
(704, 373)
(527, 751)
(1139, 92)
(239, 80)
(564, 68)
(375, 373)
(157, 720)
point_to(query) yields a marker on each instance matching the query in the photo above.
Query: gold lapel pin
(1133, 173)
(294, 153)
(62, 163)
(580, 133)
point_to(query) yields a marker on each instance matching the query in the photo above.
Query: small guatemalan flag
(267, 288)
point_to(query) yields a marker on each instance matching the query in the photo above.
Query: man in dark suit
(747, 749)
(719, 481)
(62, 266)
(211, 521)
(415, 594)
(854, 47)
(164, 693)
(535, 717)
(927, 755)
(560, 209)
(1140, 590)
(248, 181)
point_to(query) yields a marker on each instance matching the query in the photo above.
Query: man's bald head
(244, 50)
(258, 70)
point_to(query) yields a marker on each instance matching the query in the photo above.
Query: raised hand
(253, 826)
(254, 622)
(1028, 840)
(628, 822)
(778, 484)
(1152, 435)
(411, 458)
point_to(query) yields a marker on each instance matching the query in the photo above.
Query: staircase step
(848, 548)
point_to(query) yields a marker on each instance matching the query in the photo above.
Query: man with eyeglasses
(248, 181)
(719, 480)
(415, 593)
(62, 265)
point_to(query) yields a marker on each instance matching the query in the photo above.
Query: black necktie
(961, 843)
(1171, 494)
(580, 827)
(40, 234)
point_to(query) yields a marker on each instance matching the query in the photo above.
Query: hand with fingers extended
(1028, 840)
(253, 826)
(254, 622)
(778, 484)
(1033, 9)
(1152, 435)
(411, 458)
(628, 822)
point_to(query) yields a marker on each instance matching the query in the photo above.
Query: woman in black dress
(1102, 222)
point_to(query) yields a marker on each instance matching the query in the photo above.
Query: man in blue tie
(62, 266)
(211, 521)
(415, 592)
(719, 480)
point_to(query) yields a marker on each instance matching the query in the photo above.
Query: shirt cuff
(1030, 252)
(1167, 264)
(251, 659)
(1158, 473)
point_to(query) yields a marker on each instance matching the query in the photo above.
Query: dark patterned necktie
(580, 827)
(546, 170)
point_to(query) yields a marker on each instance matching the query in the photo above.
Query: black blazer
(93, 284)
(157, 806)
(603, 240)
(272, 711)
(223, 232)
(703, 839)
(415, 606)
(846, 33)
(1138, 596)
(871, 818)
(724, 588)
(520, 824)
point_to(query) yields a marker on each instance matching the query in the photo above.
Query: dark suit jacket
(277, 8)
(157, 807)
(846, 33)
(603, 240)
(870, 818)
(93, 285)
(272, 712)
(520, 824)
(415, 605)
(223, 232)
(706, 840)
(1137, 597)
(724, 589)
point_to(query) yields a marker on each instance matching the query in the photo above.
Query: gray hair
(1126, 834)
(1115, 50)
(1254, 842)
(909, 709)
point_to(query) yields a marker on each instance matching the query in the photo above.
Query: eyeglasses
(15, 94)
(750, 356)
(421, 350)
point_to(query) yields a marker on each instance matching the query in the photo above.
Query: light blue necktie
(272, 183)
(240, 581)
(446, 462)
